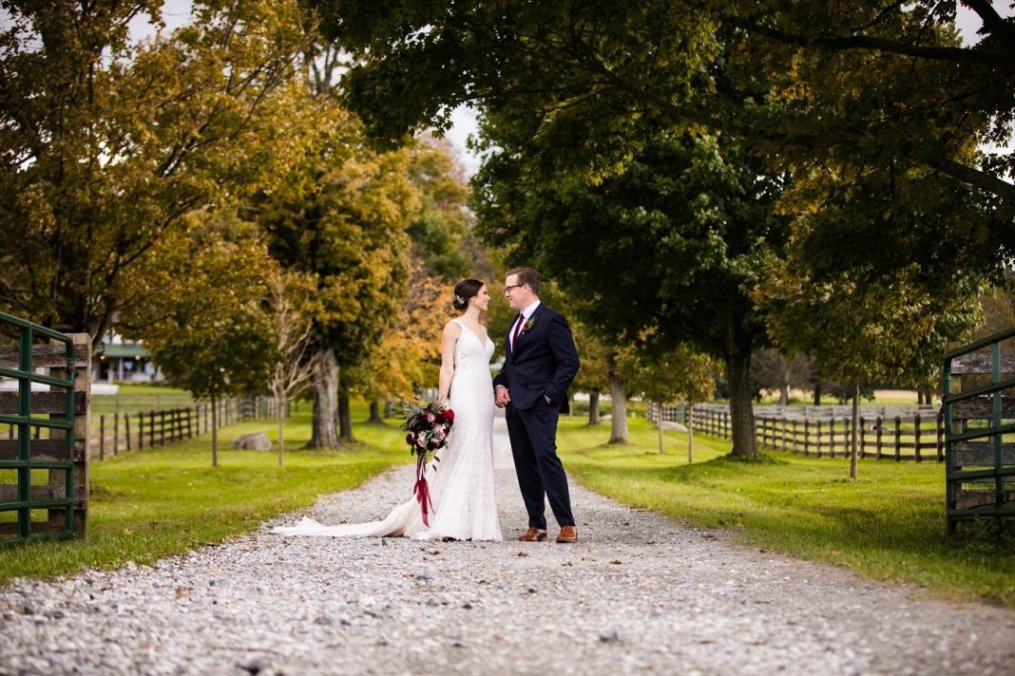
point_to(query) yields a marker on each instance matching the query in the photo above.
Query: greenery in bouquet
(427, 428)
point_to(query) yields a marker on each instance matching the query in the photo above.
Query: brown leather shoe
(533, 535)
(568, 534)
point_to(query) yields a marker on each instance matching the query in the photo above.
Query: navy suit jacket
(544, 361)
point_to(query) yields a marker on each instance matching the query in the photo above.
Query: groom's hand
(503, 397)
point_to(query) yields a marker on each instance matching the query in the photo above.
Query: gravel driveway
(638, 593)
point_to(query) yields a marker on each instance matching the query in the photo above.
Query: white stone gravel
(638, 593)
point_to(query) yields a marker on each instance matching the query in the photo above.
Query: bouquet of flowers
(427, 430)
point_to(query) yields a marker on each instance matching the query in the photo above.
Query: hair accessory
(459, 299)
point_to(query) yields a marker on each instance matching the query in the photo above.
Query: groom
(540, 365)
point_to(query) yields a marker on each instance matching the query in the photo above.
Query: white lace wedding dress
(462, 483)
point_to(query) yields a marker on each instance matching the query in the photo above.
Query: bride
(461, 484)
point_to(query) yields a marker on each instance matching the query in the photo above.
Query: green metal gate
(18, 454)
(980, 431)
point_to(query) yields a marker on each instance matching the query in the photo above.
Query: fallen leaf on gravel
(522, 554)
(616, 562)
(182, 592)
(567, 563)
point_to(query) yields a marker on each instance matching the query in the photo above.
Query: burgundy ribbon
(422, 490)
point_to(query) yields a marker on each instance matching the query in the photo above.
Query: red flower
(449, 415)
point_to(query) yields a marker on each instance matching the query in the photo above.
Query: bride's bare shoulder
(452, 329)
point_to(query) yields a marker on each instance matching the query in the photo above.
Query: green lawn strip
(134, 398)
(888, 525)
(149, 504)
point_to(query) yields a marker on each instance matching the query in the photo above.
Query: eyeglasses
(513, 286)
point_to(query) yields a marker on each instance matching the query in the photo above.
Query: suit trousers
(533, 434)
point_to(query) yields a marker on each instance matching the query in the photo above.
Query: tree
(408, 355)
(291, 316)
(212, 336)
(581, 89)
(936, 95)
(441, 225)
(807, 80)
(673, 246)
(662, 377)
(773, 370)
(340, 214)
(858, 331)
(106, 146)
(593, 377)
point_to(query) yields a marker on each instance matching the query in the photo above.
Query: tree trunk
(375, 411)
(214, 431)
(282, 404)
(738, 375)
(817, 393)
(618, 405)
(784, 377)
(325, 385)
(594, 407)
(344, 417)
(853, 437)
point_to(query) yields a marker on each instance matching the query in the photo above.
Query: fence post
(898, 438)
(151, 429)
(102, 437)
(116, 433)
(863, 437)
(916, 437)
(818, 443)
(831, 436)
(807, 436)
(878, 440)
(940, 433)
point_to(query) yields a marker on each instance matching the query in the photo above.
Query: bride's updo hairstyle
(465, 291)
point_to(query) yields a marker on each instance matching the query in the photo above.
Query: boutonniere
(527, 326)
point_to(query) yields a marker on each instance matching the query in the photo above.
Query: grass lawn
(135, 397)
(888, 525)
(149, 504)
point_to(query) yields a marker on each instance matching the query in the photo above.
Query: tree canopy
(105, 145)
(807, 82)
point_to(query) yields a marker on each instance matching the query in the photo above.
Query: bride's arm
(448, 339)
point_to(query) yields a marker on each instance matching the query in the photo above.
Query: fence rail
(114, 433)
(910, 433)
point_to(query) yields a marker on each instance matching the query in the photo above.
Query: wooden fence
(113, 433)
(912, 433)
